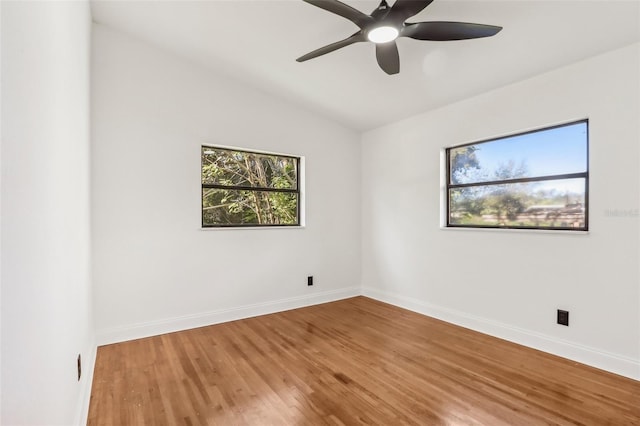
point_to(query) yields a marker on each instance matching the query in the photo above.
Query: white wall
(504, 283)
(46, 300)
(154, 269)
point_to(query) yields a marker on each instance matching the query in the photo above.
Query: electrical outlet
(309, 280)
(563, 317)
(79, 367)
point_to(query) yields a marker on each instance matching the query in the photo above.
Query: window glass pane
(238, 168)
(547, 204)
(222, 207)
(555, 151)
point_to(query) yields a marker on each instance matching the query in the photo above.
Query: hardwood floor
(355, 361)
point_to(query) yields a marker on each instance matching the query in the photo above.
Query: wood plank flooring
(355, 361)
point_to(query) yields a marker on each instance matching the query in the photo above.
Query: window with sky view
(533, 180)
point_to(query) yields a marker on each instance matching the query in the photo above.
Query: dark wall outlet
(563, 317)
(309, 280)
(79, 367)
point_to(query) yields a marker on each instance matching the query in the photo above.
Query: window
(533, 180)
(244, 188)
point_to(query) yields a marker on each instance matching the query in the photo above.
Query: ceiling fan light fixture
(385, 24)
(383, 34)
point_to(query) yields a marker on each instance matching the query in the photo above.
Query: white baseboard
(614, 363)
(617, 364)
(169, 325)
(86, 383)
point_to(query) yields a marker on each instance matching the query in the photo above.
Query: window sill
(246, 228)
(518, 231)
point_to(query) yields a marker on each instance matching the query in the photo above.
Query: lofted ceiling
(257, 42)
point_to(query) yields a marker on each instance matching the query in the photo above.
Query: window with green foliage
(244, 188)
(533, 180)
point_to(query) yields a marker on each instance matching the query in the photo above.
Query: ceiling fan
(387, 23)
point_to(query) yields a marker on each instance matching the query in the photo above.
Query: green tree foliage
(464, 162)
(504, 201)
(248, 188)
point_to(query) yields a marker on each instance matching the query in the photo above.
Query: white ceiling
(257, 42)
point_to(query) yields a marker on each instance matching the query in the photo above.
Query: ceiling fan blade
(404, 9)
(444, 31)
(381, 11)
(388, 58)
(355, 38)
(341, 9)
